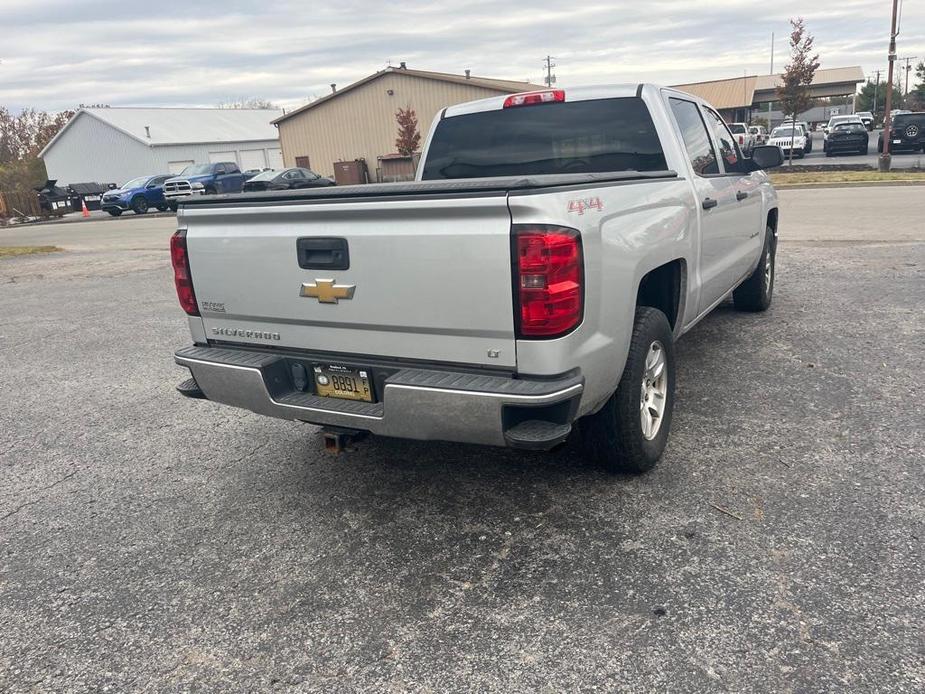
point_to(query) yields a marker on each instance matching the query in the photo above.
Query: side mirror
(767, 157)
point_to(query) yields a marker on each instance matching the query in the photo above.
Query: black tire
(173, 206)
(613, 436)
(114, 213)
(864, 150)
(828, 153)
(801, 154)
(755, 293)
(162, 208)
(139, 204)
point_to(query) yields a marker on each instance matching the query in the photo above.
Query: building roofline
(92, 115)
(501, 86)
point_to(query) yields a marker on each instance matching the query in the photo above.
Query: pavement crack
(35, 501)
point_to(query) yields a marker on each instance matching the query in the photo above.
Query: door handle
(323, 254)
(709, 203)
(741, 195)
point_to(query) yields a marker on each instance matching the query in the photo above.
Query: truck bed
(450, 187)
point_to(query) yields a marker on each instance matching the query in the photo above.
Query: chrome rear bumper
(414, 403)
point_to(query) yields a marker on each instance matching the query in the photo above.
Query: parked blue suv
(138, 195)
(204, 179)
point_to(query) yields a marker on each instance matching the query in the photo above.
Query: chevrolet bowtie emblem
(327, 292)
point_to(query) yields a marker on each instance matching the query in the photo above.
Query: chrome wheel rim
(654, 391)
(768, 268)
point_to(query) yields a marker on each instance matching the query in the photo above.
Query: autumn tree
(22, 137)
(409, 139)
(793, 93)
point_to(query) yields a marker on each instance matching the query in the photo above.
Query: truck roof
(495, 103)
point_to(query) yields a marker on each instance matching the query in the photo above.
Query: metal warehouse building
(358, 121)
(114, 145)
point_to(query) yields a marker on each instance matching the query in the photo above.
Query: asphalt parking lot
(151, 543)
(902, 160)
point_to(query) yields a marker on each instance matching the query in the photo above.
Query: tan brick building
(358, 121)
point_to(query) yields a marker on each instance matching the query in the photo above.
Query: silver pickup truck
(534, 277)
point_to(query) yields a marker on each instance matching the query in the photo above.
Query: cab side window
(696, 139)
(728, 149)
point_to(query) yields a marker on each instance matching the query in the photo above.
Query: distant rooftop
(501, 86)
(169, 126)
(740, 92)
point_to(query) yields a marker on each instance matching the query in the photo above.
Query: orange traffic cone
(84, 212)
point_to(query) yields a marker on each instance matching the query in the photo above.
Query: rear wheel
(754, 294)
(114, 213)
(630, 432)
(139, 205)
(162, 208)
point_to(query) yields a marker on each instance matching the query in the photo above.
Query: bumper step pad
(537, 435)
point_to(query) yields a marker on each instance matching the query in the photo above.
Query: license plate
(335, 381)
(897, 142)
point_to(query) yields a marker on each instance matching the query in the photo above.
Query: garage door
(252, 159)
(176, 167)
(276, 158)
(218, 157)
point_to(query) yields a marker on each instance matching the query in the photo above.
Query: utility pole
(884, 161)
(876, 89)
(550, 78)
(771, 73)
(908, 59)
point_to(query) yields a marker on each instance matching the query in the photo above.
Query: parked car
(743, 137)
(835, 120)
(847, 137)
(138, 195)
(546, 291)
(867, 118)
(287, 179)
(759, 134)
(787, 136)
(250, 173)
(907, 133)
(806, 129)
(203, 179)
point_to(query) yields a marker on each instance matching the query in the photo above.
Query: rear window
(737, 129)
(555, 138)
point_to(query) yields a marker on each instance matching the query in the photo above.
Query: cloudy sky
(55, 54)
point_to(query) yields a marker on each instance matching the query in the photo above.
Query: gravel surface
(152, 543)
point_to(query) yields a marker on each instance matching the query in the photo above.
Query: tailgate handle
(323, 254)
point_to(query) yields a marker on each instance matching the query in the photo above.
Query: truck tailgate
(432, 277)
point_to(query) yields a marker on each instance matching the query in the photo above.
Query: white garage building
(114, 145)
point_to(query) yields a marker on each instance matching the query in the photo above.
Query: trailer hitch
(340, 439)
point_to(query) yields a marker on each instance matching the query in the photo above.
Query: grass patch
(780, 177)
(10, 251)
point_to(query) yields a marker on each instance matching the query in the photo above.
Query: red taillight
(548, 277)
(741, 140)
(547, 96)
(181, 273)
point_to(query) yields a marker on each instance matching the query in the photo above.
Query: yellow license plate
(335, 381)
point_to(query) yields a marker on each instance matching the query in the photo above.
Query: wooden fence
(16, 203)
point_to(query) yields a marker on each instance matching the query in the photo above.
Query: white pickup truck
(535, 276)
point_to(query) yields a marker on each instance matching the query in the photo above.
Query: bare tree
(248, 102)
(409, 139)
(794, 93)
